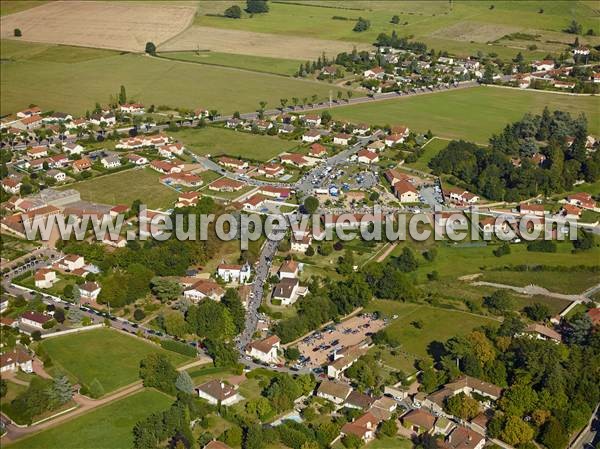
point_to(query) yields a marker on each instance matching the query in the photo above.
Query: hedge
(181, 348)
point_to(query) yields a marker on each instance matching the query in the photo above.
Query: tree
(574, 28)
(157, 371)
(257, 6)
(395, 19)
(584, 241)
(311, 204)
(537, 312)
(62, 390)
(232, 301)
(516, 431)
(233, 12)
(165, 289)
(123, 95)
(389, 428)
(3, 388)
(17, 32)
(150, 48)
(232, 436)
(175, 324)
(554, 435)
(59, 315)
(463, 406)
(502, 250)
(138, 314)
(499, 302)
(361, 25)
(351, 441)
(488, 74)
(184, 383)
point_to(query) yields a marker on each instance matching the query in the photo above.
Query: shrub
(150, 48)
(138, 315)
(181, 348)
(17, 32)
(233, 12)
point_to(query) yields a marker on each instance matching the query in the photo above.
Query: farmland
(164, 82)
(114, 25)
(125, 187)
(471, 114)
(104, 428)
(220, 141)
(461, 27)
(109, 356)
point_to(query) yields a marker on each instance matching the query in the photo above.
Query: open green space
(104, 354)
(127, 186)
(460, 27)
(216, 141)
(13, 247)
(13, 6)
(108, 427)
(431, 149)
(571, 282)
(264, 64)
(471, 114)
(164, 82)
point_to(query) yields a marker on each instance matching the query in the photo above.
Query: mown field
(127, 186)
(432, 148)
(108, 427)
(13, 6)
(472, 114)
(461, 27)
(221, 141)
(278, 66)
(76, 86)
(107, 355)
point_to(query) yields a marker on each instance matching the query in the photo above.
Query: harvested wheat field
(112, 25)
(257, 44)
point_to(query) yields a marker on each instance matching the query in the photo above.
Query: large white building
(265, 350)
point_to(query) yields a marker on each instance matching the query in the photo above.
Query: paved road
(590, 435)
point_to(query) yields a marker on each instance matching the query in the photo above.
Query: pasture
(220, 141)
(472, 114)
(148, 80)
(114, 25)
(106, 427)
(104, 354)
(431, 149)
(127, 186)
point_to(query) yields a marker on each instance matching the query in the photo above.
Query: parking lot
(318, 348)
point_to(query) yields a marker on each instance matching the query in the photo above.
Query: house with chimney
(265, 350)
(218, 392)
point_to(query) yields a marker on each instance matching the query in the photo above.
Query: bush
(17, 32)
(150, 48)
(233, 12)
(138, 315)
(502, 250)
(181, 348)
(361, 25)
(542, 246)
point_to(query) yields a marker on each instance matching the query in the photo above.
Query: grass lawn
(560, 282)
(108, 427)
(431, 149)
(462, 27)
(127, 186)
(107, 355)
(390, 443)
(13, 6)
(220, 141)
(12, 391)
(164, 82)
(247, 62)
(483, 111)
(438, 326)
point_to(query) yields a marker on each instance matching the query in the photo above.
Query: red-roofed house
(317, 150)
(165, 167)
(34, 319)
(311, 136)
(184, 179)
(295, 159)
(44, 278)
(265, 350)
(342, 139)
(582, 199)
(226, 185)
(279, 193)
(271, 170)
(367, 157)
(406, 192)
(82, 165)
(532, 209)
(363, 427)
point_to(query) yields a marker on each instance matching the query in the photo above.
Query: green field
(108, 427)
(473, 114)
(247, 62)
(432, 148)
(107, 355)
(76, 86)
(460, 27)
(221, 141)
(567, 282)
(126, 186)
(13, 6)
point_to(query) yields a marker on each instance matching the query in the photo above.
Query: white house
(335, 392)
(15, 360)
(367, 157)
(57, 175)
(375, 72)
(71, 262)
(204, 289)
(44, 278)
(111, 162)
(132, 108)
(89, 291)
(342, 139)
(288, 269)
(393, 139)
(137, 159)
(34, 319)
(311, 136)
(234, 273)
(543, 66)
(216, 392)
(312, 120)
(406, 192)
(288, 290)
(265, 350)
(12, 185)
(73, 148)
(300, 242)
(363, 427)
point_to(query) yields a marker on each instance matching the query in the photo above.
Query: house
(312, 120)
(34, 319)
(336, 392)
(89, 291)
(165, 167)
(82, 165)
(543, 66)
(29, 123)
(271, 170)
(226, 185)
(44, 278)
(285, 128)
(532, 209)
(461, 196)
(394, 139)
(363, 427)
(542, 332)
(464, 438)
(342, 139)
(218, 392)
(594, 315)
(132, 108)
(12, 185)
(345, 359)
(295, 159)
(37, 152)
(361, 129)
(107, 119)
(419, 421)
(374, 73)
(58, 161)
(234, 273)
(581, 51)
(328, 71)
(288, 290)
(204, 288)
(111, 162)
(582, 199)
(34, 110)
(265, 350)
(115, 241)
(288, 269)
(311, 136)
(72, 148)
(300, 243)
(254, 202)
(377, 147)
(233, 123)
(201, 113)
(406, 192)
(171, 149)
(187, 199)
(317, 150)
(570, 212)
(394, 176)
(464, 384)
(367, 157)
(231, 162)
(359, 400)
(186, 179)
(119, 209)
(15, 360)
(136, 159)
(563, 85)
(538, 159)
(71, 262)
